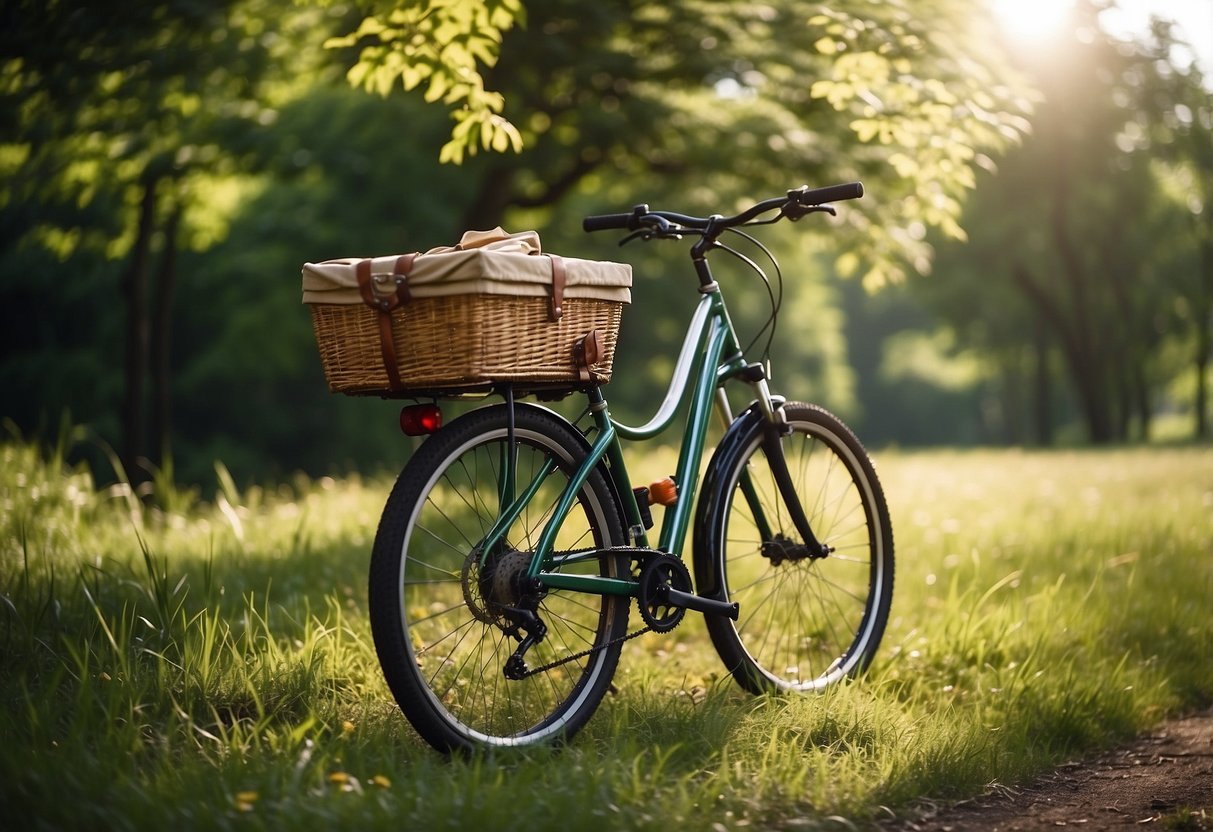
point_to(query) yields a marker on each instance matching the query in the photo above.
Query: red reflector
(420, 419)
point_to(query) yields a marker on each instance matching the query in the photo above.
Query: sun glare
(1031, 20)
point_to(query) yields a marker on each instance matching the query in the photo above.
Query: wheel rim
(806, 623)
(460, 648)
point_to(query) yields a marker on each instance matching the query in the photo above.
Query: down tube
(674, 526)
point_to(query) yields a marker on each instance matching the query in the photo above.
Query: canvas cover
(484, 262)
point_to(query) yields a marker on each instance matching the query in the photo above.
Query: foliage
(440, 44)
(343, 184)
(180, 188)
(1177, 110)
(762, 97)
(910, 88)
(101, 106)
(211, 666)
(126, 128)
(1081, 256)
(157, 202)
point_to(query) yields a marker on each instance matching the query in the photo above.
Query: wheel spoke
(803, 619)
(453, 609)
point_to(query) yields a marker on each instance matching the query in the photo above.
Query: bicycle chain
(624, 550)
(584, 653)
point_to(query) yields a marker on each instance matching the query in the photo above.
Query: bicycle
(512, 543)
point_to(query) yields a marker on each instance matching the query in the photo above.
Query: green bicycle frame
(710, 356)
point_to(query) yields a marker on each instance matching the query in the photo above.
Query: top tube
(691, 345)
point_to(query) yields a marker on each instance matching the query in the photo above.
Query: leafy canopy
(907, 95)
(439, 46)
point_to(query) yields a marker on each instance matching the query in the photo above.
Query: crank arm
(698, 603)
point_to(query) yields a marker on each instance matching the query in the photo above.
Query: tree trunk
(161, 430)
(1042, 398)
(1123, 379)
(134, 291)
(1129, 345)
(1204, 335)
(1012, 401)
(488, 206)
(1141, 388)
(1085, 372)
(1082, 347)
(1202, 374)
(498, 193)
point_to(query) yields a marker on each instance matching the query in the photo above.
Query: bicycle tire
(437, 617)
(805, 623)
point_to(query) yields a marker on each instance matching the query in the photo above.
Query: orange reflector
(664, 492)
(420, 419)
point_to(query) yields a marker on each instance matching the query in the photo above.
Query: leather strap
(587, 351)
(404, 265)
(384, 304)
(558, 280)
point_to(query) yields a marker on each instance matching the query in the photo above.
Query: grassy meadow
(209, 665)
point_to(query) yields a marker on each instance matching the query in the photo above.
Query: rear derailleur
(498, 592)
(529, 630)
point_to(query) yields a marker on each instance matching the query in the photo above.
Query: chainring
(658, 572)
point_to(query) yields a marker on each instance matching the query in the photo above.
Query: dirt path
(1162, 781)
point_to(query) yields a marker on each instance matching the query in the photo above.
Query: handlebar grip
(830, 193)
(607, 222)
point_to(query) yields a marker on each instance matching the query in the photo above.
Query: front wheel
(445, 612)
(807, 620)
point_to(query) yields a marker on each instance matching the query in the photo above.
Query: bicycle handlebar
(830, 193)
(801, 198)
(607, 222)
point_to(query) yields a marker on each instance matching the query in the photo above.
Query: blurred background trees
(1083, 278)
(1033, 261)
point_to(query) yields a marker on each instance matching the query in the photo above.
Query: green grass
(210, 666)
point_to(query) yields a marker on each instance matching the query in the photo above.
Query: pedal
(656, 592)
(707, 606)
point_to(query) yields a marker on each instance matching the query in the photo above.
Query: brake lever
(796, 211)
(660, 229)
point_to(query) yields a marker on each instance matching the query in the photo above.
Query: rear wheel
(445, 619)
(806, 620)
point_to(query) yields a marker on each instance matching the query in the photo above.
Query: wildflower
(344, 782)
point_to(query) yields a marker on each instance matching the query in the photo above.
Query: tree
(121, 122)
(1177, 108)
(905, 94)
(439, 44)
(126, 160)
(1074, 245)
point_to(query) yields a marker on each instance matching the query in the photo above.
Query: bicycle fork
(776, 546)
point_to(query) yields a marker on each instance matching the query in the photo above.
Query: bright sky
(1194, 18)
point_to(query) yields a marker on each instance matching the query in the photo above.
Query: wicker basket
(459, 320)
(462, 343)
